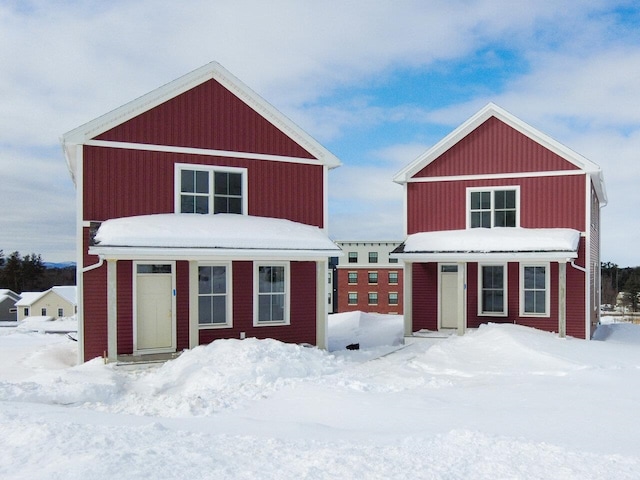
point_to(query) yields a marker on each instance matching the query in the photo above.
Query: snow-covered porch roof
(490, 244)
(190, 236)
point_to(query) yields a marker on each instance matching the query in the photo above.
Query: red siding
(208, 116)
(495, 147)
(125, 307)
(303, 307)
(182, 305)
(95, 313)
(425, 296)
(545, 202)
(120, 183)
(362, 288)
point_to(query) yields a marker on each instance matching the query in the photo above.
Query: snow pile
(500, 239)
(212, 231)
(367, 330)
(48, 324)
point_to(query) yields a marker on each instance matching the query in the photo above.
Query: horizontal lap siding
(425, 296)
(495, 147)
(210, 117)
(545, 202)
(303, 307)
(121, 183)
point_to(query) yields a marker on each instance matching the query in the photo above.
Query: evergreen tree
(12, 273)
(33, 273)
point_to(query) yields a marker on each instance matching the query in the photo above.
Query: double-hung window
(493, 207)
(352, 298)
(393, 298)
(373, 278)
(373, 257)
(353, 257)
(492, 298)
(353, 278)
(210, 189)
(534, 290)
(393, 278)
(271, 304)
(214, 304)
(373, 298)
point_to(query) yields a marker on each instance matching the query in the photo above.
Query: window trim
(210, 169)
(492, 190)
(397, 299)
(352, 272)
(369, 294)
(373, 257)
(352, 257)
(369, 277)
(287, 293)
(349, 295)
(229, 294)
(392, 272)
(547, 289)
(505, 289)
(60, 312)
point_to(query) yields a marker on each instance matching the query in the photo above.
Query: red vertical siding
(495, 147)
(125, 307)
(303, 307)
(121, 183)
(182, 305)
(208, 116)
(95, 313)
(425, 296)
(545, 202)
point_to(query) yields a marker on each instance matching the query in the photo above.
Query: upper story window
(353, 257)
(373, 277)
(489, 207)
(210, 189)
(393, 277)
(353, 277)
(373, 257)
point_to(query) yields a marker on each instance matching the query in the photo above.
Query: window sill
(208, 326)
(271, 324)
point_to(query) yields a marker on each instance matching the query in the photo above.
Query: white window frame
(355, 295)
(229, 297)
(397, 298)
(287, 293)
(369, 294)
(369, 277)
(547, 289)
(492, 190)
(352, 272)
(393, 272)
(210, 169)
(505, 284)
(352, 257)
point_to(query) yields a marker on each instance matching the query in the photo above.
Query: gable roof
(6, 293)
(78, 136)
(492, 110)
(67, 293)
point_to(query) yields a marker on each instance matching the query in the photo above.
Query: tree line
(616, 280)
(30, 274)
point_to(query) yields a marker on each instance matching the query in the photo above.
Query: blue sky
(377, 83)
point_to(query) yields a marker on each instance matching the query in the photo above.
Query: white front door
(154, 321)
(448, 296)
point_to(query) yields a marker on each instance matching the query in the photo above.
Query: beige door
(449, 296)
(155, 330)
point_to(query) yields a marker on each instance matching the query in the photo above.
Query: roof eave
(480, 257)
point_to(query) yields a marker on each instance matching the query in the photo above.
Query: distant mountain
(59, 264)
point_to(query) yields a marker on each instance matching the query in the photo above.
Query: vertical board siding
(495, 147)
(121, 183)
(596, 285)
(182, 305)
(208, 116)
(545, 202)
(303, 307)
(425, 296)
(95, 313)
(125, 307)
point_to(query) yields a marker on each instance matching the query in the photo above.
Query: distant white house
(8, 299)
(57, 302)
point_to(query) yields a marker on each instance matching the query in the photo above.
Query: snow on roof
(6, 293)
(27, 298)
(499, 240)
(220, 231)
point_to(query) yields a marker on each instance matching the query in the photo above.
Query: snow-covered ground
(500, 402)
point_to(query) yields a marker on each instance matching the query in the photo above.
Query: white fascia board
(473, 257)
(475, 121)
(213, 254)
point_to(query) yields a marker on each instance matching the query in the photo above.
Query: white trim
(369, 298)
(211, 170)
(322, 318)
(229, 296)
(494, 176)
(505, 285)
(474, 257)
(134, 295)
(287, 293)
(439, 290)
(208, 254)
(352, 293)
(492, 190)
(325, 199)
(201, 151)
(547, 289)
(79, 181)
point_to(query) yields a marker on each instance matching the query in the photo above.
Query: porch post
(462, 291)
(194, 333)
(112, 310)
(322, 277)
(408, 298)
(562, 299)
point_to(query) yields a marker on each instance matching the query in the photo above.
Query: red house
(503, 226)
(202, 214)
